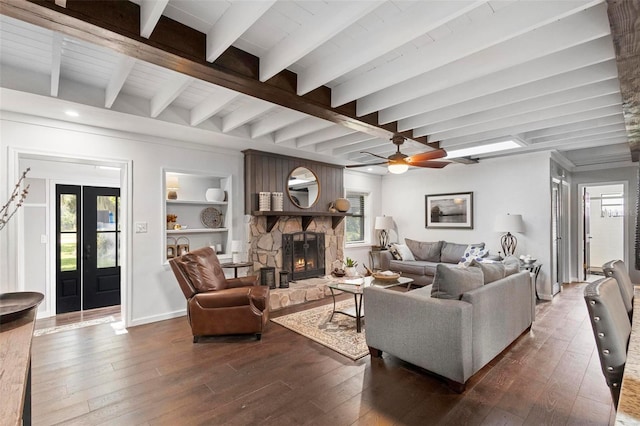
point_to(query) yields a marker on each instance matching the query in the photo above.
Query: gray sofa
(449, 337)
(427, 256)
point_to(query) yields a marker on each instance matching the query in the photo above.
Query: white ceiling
(464, 73)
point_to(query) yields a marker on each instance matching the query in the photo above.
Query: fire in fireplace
(303, 254)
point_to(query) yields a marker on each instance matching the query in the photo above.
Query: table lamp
(382, 224)
(172, 186)
(509, 223)
(236, 248)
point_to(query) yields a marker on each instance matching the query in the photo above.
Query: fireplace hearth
(303, 254)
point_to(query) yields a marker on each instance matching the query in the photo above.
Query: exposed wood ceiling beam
(150, 13)
(275, 122)
(624, 18)
(584, 55)
(558, 83)
(342, 141)
(526, 109)
(578, 126)
(169, 92)
(320, 29)
(244, 115)
(402, 29)
(322, 135)
(117, 80)
(499, 26)
(302, 127)
(554, 37)
(211, 105)
(56, 60)
(237, 19)
(116, 25)
(590, 114)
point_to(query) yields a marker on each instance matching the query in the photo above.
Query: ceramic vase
(342, 205)
(214, 194)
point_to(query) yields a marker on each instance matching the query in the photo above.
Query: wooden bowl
(386, 277)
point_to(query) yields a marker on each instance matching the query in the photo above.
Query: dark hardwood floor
(155, 375)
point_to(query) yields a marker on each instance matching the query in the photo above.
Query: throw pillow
(453, 252)
(428, 251)
(394, 252)
(472, 253)
(451, 282)
(404, 252)
(492, 271)
(511, 265)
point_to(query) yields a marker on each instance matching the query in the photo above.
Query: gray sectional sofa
(427, 256)
(453, 338)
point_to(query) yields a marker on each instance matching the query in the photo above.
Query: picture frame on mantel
(449, 211)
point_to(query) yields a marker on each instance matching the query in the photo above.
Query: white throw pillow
(472, 253)
(404, 252)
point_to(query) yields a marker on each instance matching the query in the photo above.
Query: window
(354, 229)
(612, 205)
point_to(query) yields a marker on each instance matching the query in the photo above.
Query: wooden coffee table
(356, 287)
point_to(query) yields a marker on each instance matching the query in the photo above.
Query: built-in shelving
(197, 230)
(191, 192)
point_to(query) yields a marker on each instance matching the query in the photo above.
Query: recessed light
(71, 113)
(369, 169)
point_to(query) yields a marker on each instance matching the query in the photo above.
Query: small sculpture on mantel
(332, 208)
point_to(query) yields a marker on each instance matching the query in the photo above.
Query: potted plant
(350, 267)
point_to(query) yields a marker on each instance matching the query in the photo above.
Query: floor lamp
(382, 224)
(509, 223)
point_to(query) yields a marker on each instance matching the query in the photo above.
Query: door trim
(625, 226)
(14, 239)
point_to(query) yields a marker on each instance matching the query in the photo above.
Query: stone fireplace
(274, 173)
(266, 248)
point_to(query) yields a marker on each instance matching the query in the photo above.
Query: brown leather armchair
(217, 305)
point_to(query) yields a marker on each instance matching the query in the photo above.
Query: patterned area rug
(338, 334)
(73, 326)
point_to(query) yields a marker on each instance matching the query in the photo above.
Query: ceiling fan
(399, 163)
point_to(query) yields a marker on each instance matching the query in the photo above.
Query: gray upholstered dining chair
(611, 329)
(618, 270)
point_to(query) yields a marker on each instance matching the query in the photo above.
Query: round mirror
(303, 187)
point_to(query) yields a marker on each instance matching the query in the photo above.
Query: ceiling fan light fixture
(397, 167)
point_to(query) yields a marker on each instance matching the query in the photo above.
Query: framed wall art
(449, 211)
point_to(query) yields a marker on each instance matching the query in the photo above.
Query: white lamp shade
(383, 222)
(172, 182)
(509, 223)
(236, 246)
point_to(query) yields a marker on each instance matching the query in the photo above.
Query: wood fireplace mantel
(307, 217)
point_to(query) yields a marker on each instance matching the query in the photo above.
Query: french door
(88, 247)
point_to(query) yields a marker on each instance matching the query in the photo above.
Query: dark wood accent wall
(266, 172)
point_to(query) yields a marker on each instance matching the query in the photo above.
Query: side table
(533, 268)
(374, 259)
(235, 267)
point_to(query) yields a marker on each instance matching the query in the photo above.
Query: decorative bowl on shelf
(386, 276)
(211, 217)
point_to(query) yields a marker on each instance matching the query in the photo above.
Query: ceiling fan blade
(429, 155)
(365, 165)
(431, 164)
(375, 155)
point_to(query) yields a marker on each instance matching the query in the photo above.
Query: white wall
(514, 184)
(155, 295)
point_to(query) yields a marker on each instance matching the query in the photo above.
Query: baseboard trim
(156, 318)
